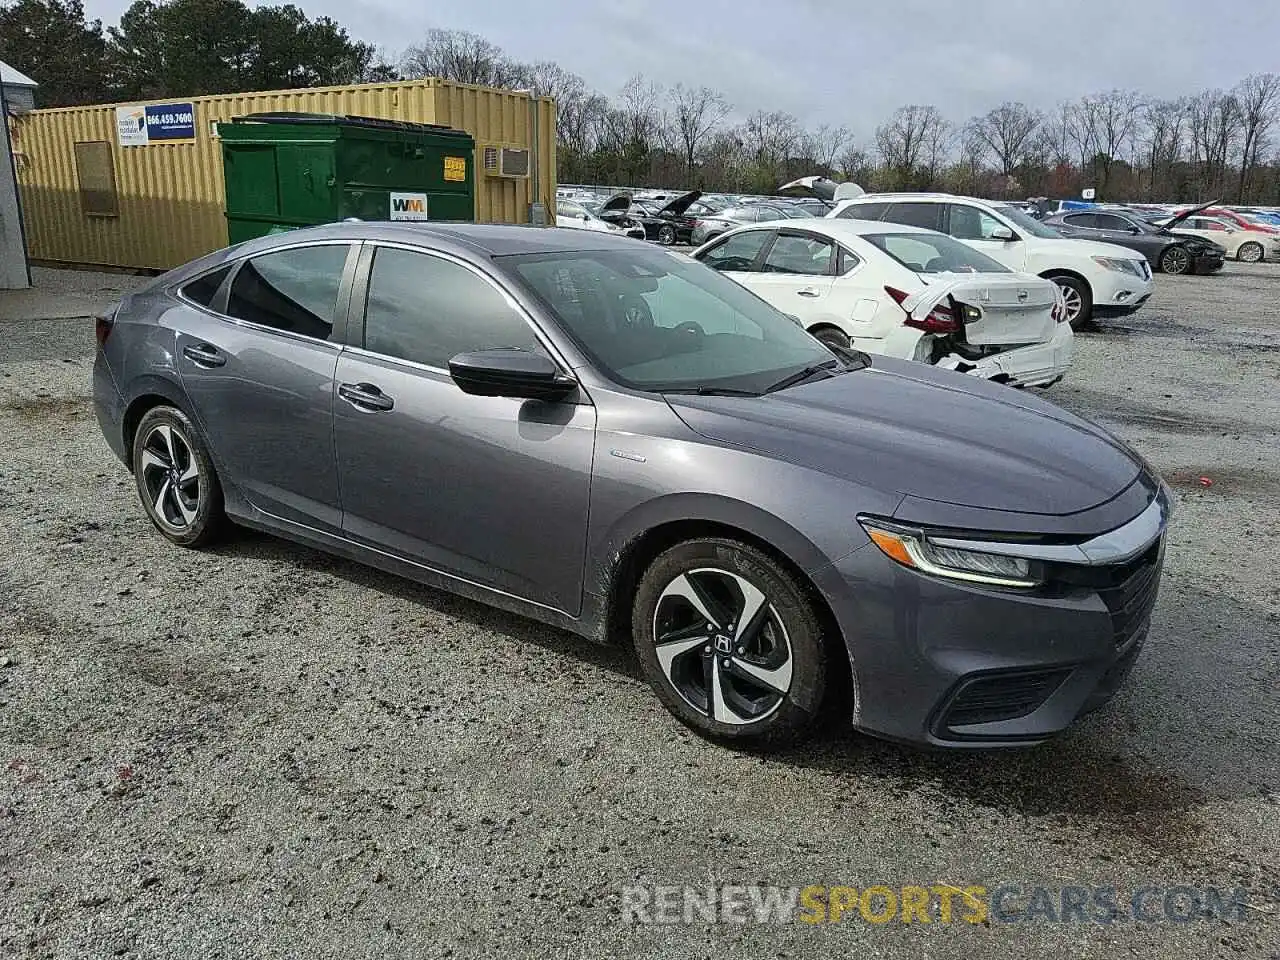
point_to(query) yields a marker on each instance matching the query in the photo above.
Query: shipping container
(141, 185)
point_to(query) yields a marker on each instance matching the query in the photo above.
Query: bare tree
(1008, 131)
(1161, 138)
(1105, 127)
(693, 114)
(911, 136)
(1213, 119)
(769, 139)
(1258, 99)
(825, 145)
(460, 56)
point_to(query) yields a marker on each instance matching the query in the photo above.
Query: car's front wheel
(1076, 297)
(731, 643)
(1175, 261)
(1250, 252)
(175, 478)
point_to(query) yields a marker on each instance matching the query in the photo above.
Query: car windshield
(1027, 224)
(934, 253)
(659, 321)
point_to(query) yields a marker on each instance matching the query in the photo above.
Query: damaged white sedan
(904, 292)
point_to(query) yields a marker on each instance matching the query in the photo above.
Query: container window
(96, 173)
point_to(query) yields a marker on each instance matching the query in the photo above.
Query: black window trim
(218, 305)
(359, 307)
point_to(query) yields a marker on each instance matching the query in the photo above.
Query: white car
(577, 217)
(903, 292)
(1097, 279)
(1249, 246)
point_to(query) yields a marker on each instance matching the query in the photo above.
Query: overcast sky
(826, 63)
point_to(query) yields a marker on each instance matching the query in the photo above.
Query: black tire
(1251, 252)
(784, 641)
(1175, 261)
(832, 336)
(1077, 292)
(175, 478)
(667, 235)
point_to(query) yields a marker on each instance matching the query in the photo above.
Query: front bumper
(952, 664)
(1116, 293)
(1209, 263)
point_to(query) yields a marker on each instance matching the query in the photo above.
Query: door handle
(807, 292)
(203, 355)
(365, 396)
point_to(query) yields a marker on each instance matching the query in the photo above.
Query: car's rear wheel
(1175, 261)
(731, 643)
(667, 235)
(832, 336)
(1250, 252)
(176, 481)
(1076, 297)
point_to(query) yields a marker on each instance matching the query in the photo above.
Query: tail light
(941, 319)
(102, 327)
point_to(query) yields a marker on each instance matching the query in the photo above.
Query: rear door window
(293, 290)
(914, 214)
(203, 289)
(1081, 220)
(864, 211)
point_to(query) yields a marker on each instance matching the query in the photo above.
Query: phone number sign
(155, 123)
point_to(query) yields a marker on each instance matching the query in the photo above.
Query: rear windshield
(934, 253)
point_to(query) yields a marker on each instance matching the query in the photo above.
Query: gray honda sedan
(617, 440)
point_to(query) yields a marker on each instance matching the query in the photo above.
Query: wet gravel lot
(260, 751)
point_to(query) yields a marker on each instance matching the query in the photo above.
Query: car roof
(939, 197)
(840, 229)
(493, 239)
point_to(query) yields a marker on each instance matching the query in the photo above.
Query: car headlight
(913, 548)
(1119, 264)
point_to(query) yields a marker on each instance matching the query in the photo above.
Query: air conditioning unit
(509, 162)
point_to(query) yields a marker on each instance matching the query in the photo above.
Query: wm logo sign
(408, 206)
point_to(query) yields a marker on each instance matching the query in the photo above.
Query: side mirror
(1134, 230)
(586, 217)
(510, 373)
(1003, 234)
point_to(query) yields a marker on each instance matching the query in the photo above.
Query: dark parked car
(668, 222)
(623, 443)
(1165, 251)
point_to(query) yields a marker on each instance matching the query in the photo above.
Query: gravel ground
(262, 751)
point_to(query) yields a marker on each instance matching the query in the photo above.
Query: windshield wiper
(711, 392)
(801, 375)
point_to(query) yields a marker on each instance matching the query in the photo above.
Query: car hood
(618, 203)
(678, 205)
(907, 428)
(1179, 218)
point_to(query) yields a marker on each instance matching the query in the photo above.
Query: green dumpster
(287, 170)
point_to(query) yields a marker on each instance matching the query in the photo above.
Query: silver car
(615, 439)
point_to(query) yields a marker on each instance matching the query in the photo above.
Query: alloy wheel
(171, 477)
(1250, 253)
(667, 236)
(722, 646)
(1072, 301)
(1176, 261)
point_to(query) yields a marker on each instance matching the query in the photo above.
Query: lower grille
(1005, 696)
